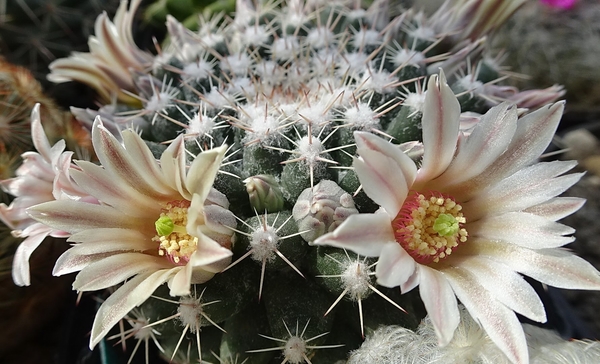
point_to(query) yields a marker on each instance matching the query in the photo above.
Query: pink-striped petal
(146, 163)
(20, 265)
(364, 234)
(115, 269)
(412, 282)
(523, 229)
(368, 141)
(73, 216)
(208, 252)
(489, 139)
(506, 286)
(528, 187)
(383, 183)
(172, 163)
(202, 172)
(38, 136)
(534, 133)
(102, 240)
(97, 182)
(394, 267)
(180, 284)
(555, 267)
(557, 208)
(128, 296)
(440, 302)
(441, 119)
(74, 260)
(498, 321)
(121, 165)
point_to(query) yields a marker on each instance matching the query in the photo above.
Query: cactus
(552, 34)
(35, 33)
(285, 86)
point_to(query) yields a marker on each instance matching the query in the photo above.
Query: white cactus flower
(479, 210)
(155, 223)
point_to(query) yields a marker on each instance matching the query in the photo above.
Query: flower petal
(126, 170)
(115, 269)
(441, 119)
(498, 321)
(98, 244)
(102, 240)
(172, 163)
(440, 302)
(528, 187)
(102, 185)
(207, 252)
(218, 219)
(147, 165)
(131, 294)
(368, 141)
(555, 267)
(38, 136)
(489, 139)
(181, 282)
(383, 183)
(534, 133)
(557, 208)
(395, 266)
(73, 216)
(506, 286)
(385, 172)
(202, 172)
(20, 265)
(523, 229)
(364, 234)
(412, 282)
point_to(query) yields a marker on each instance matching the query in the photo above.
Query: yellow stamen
(174, 241)
(429, 229)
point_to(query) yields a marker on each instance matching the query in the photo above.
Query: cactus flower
(478, 211)
(113, 53)
(43, 176)
(154, 223)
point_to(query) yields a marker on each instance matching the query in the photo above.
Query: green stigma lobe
(445, 225)
(164, 226)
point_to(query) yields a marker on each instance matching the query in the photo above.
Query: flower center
(429, 226)
(174, 241)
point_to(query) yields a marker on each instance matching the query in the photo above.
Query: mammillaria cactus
(267, 142)
(35, 33)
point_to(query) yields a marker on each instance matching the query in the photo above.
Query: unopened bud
(264, 193)
(321, 209)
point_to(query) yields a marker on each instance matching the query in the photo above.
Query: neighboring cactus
(19, 92)
(550, 43)
(35, 33)
(186, 11)
(285, 86)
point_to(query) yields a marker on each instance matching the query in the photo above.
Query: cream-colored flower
(156, 223)
(43, 176)
(479, 210)
(113, 56)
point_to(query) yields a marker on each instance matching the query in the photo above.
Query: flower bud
(264, 193)
(321, 209)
